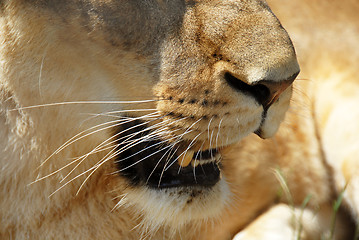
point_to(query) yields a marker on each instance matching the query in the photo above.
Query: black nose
(266, 92)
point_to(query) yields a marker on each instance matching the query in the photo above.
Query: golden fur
(70, 69)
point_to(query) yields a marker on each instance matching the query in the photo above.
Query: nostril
(266, 92)
(273, 90)
(236, 83)
(259, 91)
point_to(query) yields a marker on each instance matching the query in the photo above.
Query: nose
(266, 92)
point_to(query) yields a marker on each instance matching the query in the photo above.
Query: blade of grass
(304, 205)
(356, 236)
(336, 206)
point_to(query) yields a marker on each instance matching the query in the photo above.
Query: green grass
(336, 206)
(356, 236)
(289, 197)
(297, 219)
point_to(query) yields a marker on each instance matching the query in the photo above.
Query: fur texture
(73, 71)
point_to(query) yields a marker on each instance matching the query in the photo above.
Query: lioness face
(201, 74)
(224, 72)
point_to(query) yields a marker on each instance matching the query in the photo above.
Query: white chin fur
(176, 207)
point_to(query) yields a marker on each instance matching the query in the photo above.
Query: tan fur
(323, 112)
(171, 56)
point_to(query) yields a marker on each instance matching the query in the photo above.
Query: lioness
(120, 120)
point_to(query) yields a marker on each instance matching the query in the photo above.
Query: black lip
(152, 162)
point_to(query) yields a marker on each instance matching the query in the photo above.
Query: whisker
(120, 203)
(209, 124)
(168, 160)
(179, 137)
(109, 113)
(84, 102)
(116, 140)
(136, 133)
(99, 163)
(219, 129)
(83, 157)
(67, 165)
(77, 136)
(123, 169)
(132, 144)
(158, 162)
(73, 179)
(144, 149)
(171, 156)
(210, 141)
(123, 118)
(136, 141)
(54, 172)
(40, 72)
(97, 166)
(195, 159)
(108, 144)
(189, 146)
(149, 128)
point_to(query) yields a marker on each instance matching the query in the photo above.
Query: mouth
(203, 170)
(145, 159)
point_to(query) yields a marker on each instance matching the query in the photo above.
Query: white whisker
(144, 149)
(113, 114)
(82, 102)
(136, 141)
(195, 159)
(179, 137)
(69, 164)
(77, 136)
(98, 148)
(120, 203)
(208, 127)
(169, 157)
(132, 144)
(123, 169)
(40, 72)
(189, 146)
(112, 142)
(219, 129)
(79, 175)
(73, 179)
(158, 162)
(96, 166)
(84, 157)
(210, 141)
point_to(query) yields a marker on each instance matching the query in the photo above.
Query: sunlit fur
(73, 71)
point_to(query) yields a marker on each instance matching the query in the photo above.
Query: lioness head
(173, 83)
